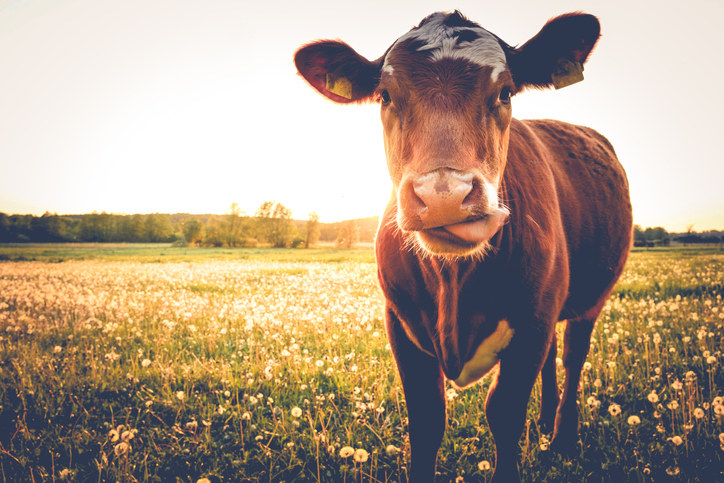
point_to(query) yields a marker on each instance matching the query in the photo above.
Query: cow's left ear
(337, 71)
(555, 56)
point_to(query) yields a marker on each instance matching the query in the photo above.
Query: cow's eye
(385, 96)
(505, 95)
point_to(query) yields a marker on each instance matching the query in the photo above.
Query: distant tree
(236, 229)
(312, 230)
(158, 228)
(193, 231)
(348, 234)
(639, 234)
(274, 224)
(5, 228)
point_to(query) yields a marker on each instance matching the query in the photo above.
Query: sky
(141, 106)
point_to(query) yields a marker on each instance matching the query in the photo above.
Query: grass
(272, 365)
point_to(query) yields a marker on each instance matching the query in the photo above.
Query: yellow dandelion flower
(346, 451)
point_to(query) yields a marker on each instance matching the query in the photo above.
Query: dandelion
(653, 397)
(676, 385)
(672, 470)
(614, 409)
(676, 440)
(673, 405)
(203, 480)
(544, 443)
(122, 448)
(633, 420)
(57, 350)
(180, 395)
(146, 362)
(360, 455)
(698, 413)
(393, 450)
(451, 394)
(721, 438)
(346, 451)
(484, 465)
(296, 412)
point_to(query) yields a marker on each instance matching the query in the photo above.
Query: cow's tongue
(479, 231)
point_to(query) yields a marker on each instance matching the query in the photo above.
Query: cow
(497, 228)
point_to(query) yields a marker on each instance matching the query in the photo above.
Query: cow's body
(497, 230)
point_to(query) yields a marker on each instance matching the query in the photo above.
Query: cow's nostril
(474, 196)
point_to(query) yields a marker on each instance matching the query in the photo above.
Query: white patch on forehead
(442, 43)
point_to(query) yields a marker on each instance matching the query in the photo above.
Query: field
(147, 363)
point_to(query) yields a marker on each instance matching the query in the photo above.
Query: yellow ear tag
(340, 86)
(567, 73)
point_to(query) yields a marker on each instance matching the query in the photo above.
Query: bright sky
(140, 106)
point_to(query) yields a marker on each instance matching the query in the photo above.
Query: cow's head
(445, 89)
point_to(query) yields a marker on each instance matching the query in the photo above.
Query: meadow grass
(273, 365)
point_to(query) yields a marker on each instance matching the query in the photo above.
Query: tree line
(271, 225)
(658, 236)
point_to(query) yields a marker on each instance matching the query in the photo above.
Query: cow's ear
(337, 71)
(555, 56)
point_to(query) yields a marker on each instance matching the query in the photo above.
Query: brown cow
(497, 228)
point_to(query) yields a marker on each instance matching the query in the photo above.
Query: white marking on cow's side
(441, 41)
(387, 68)
(486, 355)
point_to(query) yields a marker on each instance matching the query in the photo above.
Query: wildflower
(451, 394)
(544, 443)
(676, 385)
(676, 440)
(673, 405)
(653, 397)
(484, 465)
(459, 479)
(698, 413)
(57, 350)
(711, 360)
(180, 395)
(192, 425)
(114, 435)
(346, 451)
(393, 450)
(721, 438)
(122, 448)
(633, 420)
(614, 409)
(227, 394)
(296, 412)
(672, 470)
(64, 474)
(203, 480)
(146, 362)
(360, 455)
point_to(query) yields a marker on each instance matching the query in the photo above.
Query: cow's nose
(439, 198)
(443, 190)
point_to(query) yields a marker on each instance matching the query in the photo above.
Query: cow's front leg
(507, 401)
(423, 383)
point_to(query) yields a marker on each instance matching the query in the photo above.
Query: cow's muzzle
(450, 209)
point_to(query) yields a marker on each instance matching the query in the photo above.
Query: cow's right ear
(337, 71)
